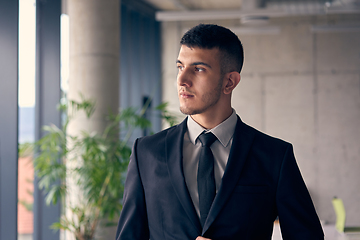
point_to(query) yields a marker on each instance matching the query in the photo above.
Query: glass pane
(27, 33)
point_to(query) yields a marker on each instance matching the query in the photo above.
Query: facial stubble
(210, 99)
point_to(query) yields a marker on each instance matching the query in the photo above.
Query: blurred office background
(300, 82)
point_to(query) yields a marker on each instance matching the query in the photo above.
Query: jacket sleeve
(133, 223)
(297, 215)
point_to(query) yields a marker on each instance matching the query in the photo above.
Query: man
(170, 193)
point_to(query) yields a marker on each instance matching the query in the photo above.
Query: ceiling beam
(238, 14)
(211, 14)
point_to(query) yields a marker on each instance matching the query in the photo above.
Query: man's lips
(186, 95)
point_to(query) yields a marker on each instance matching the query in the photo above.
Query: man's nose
(184, 78)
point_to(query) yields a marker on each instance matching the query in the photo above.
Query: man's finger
(202, 238)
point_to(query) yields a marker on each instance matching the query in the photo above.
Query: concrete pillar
(94, 59)
(94, 68)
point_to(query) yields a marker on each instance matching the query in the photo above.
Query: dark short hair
(210, 36)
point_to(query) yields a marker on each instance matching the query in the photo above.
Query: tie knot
(207, 139)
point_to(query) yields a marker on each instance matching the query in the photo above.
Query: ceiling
(182, 10)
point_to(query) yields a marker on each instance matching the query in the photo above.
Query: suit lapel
(174, 149)
(242, 142)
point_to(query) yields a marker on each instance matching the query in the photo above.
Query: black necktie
(205, 177)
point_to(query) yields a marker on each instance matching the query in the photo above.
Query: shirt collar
(224, 131)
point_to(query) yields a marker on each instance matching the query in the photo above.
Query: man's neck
(211, 120)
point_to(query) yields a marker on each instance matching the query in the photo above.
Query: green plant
(26, 149)
(100, 174)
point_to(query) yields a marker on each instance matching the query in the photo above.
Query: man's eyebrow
(195, 63)
(200, 63)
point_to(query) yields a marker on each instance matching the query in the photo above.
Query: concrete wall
(303, 86)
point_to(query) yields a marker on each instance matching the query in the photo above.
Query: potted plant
(100, 174)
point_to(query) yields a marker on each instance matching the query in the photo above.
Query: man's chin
(186, 111)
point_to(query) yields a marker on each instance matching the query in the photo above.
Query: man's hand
(202, 238)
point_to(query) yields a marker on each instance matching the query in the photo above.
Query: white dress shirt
(220, 149)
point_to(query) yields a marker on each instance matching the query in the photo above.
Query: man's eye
(199, 69)
(180, 67)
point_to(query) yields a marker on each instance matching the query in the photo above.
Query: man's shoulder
(160, 137)
(160, 134)
(261, 137)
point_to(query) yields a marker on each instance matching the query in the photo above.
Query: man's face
(199, 80)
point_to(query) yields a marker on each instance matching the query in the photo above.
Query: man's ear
(232, 80)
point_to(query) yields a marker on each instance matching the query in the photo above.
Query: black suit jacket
(261, 181)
